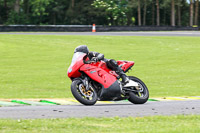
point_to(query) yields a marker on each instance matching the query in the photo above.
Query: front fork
(85, 81)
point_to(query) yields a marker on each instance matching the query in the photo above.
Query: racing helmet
(82, 48)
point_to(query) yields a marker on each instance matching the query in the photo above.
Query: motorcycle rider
(111, 63)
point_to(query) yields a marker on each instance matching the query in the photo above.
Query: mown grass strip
(35, 66)
(153, 124)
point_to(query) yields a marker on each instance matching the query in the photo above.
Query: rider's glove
(94, 59)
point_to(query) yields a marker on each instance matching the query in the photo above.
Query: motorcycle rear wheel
(141, 96)
(86, 97)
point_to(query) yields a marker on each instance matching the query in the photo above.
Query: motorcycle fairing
(110, 93)
(77, 62)
(99, 75)
(110, 85)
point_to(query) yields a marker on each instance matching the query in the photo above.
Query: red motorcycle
(92, 81)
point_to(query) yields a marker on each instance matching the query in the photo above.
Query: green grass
(35, 66)
(156, 124)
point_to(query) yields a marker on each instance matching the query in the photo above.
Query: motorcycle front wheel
(138, 95)
(86, 97)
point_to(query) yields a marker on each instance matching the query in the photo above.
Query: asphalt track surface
(102, 110)
(157, 33)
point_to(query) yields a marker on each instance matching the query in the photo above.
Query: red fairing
(98, 71)
(73, 70)
(125, 65)
(98, 74)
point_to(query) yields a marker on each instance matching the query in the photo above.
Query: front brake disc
(84, 92)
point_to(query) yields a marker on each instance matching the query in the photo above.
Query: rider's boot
(114, 66)
(122, 75)
(125, 79)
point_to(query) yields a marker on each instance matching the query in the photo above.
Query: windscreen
(76, 56)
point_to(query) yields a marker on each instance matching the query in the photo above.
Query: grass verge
(35, 66)
(155, 124)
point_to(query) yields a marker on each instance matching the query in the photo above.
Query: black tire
(80, 96)
(135, 97)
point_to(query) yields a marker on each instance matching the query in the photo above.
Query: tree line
(100, 12)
